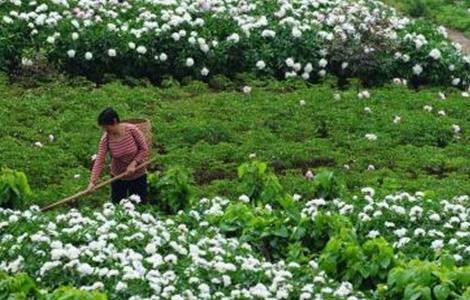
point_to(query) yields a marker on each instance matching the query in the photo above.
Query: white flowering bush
(155, 38)
(139, 255)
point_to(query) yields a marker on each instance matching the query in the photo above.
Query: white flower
(308, 68)
(76, 176)
(246, 89)
(189, 62)
(85, 269)
(88, 56)
(135, 198)
(396, 119)
(309, 175)
(296, 33)
(75, 36)
(7, 20)
(71, 53)
(112, 53)
(373, 234)
(367, 110)
(456, 128)
(435, 54)
(400, 232)
(435, 217)
(244, 198)
(417, 69)
(427, 108)
(234, 38)
(121, 286)
(465, 94)
(305, 296)
(437, 244)
(50, 39)
(337, 96)
(290, 62)
(363, 94)
(368, 191)
(322, 63)
(51, 138)
(38, 144)
(260, 291)
(131, 45)
(371, 137)
(204, 71)
(141, 50)
(252, 156)
(402, 242)
(151, 248)
(302, 102)
(419, 232)
(171, 258)
(370, 167)
(26, 62)
(344, 289)
(163, 57)
(260, 64)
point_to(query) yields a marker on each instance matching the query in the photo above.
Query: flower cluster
(154, 38)
(139, 255)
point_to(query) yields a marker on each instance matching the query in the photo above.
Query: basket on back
(145, 127)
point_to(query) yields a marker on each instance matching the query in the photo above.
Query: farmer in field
(128, 149)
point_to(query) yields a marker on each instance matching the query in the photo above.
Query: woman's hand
(131, 168)
(90, 188)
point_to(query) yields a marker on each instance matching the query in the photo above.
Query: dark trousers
(121, 189)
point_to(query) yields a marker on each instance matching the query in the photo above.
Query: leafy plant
(171, 191)
(366, 265)
(14, 188)
(22, 286)
(418, 279)
(262, 186)
(327, 185)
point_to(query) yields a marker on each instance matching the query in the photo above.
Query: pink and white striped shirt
(131, 146)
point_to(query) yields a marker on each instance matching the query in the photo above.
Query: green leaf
(441, 292)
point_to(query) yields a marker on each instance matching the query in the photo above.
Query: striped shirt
(131, 146)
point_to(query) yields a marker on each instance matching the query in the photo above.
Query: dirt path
(458, 37)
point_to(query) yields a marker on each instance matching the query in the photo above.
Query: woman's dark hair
(108, 116)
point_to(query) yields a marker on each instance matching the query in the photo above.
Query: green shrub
(171, 191)
(263, 187)
(365, 265)
(418, 9)
(327, 185)
(14, 188)
(418, 279)
(22, 286)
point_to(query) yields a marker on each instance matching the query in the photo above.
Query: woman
(128, 149)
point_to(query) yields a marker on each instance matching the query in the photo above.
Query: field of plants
(156, 38)
(305, 149)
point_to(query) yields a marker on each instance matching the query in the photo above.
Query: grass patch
(212, 133)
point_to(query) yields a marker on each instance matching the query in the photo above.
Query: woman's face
(112, 128)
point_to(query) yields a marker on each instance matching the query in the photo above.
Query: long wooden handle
(85, 192)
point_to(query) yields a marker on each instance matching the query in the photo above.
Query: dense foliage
(282, 39)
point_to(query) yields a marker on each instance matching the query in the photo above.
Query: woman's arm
(142, 146)
(99, 162)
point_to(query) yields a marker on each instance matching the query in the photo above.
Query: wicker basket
(144, 126)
